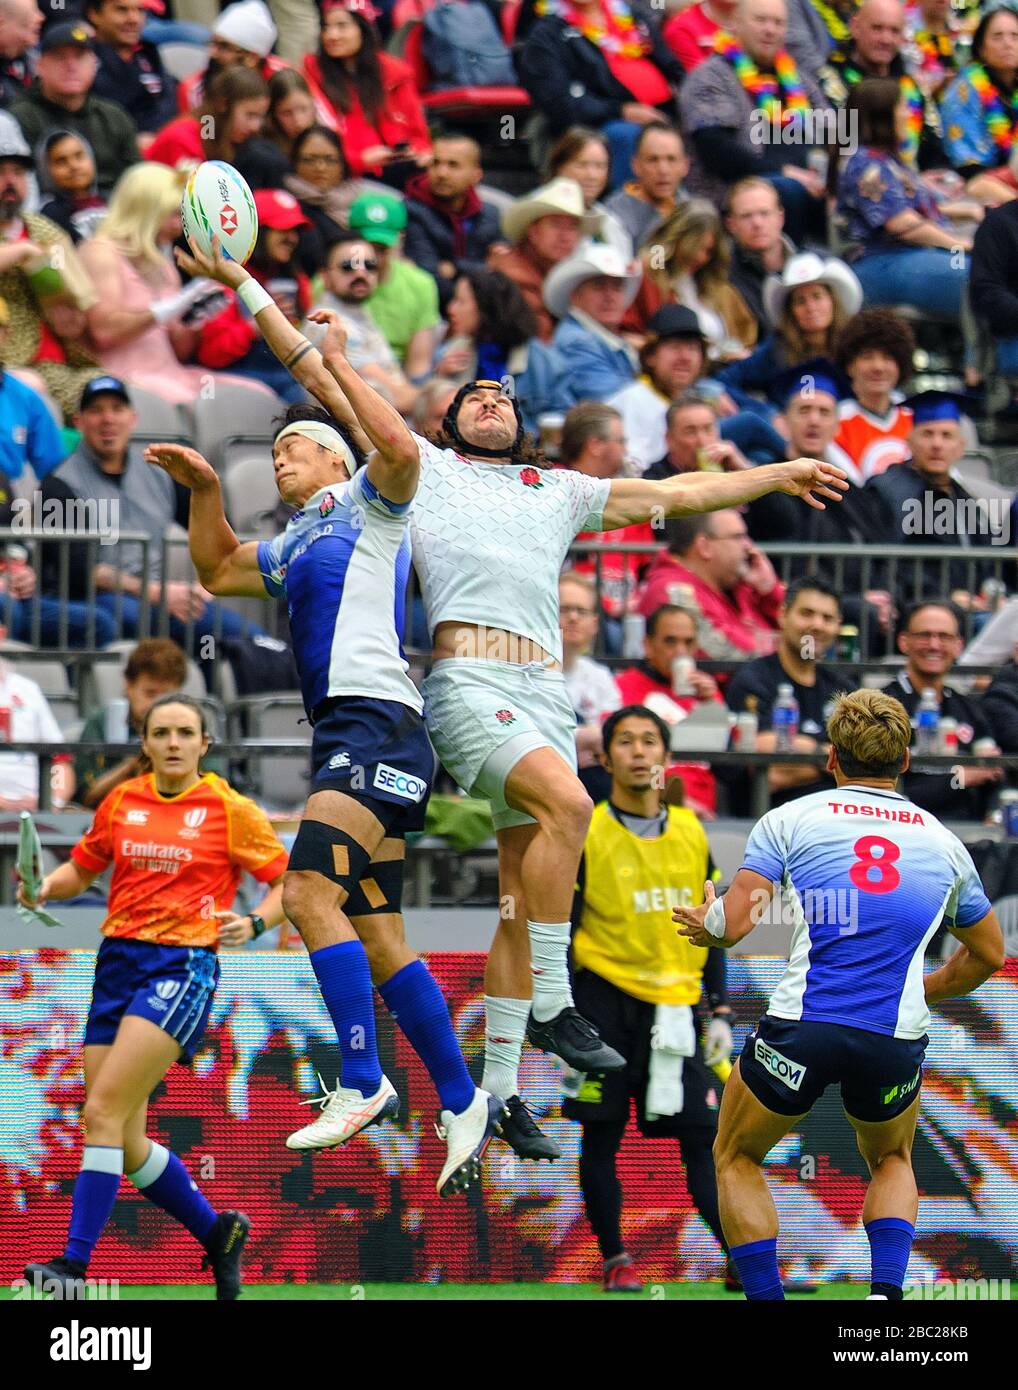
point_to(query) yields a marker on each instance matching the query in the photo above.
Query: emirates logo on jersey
(530, 477)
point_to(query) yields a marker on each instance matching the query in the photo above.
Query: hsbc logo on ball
(228, 218)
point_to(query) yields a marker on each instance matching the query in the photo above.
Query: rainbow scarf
(936, 51)
(779, 95)
(614, 31)
(1000, 112)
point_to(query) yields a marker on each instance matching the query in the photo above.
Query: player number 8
(866, 862)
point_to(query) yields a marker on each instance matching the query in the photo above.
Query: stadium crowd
(702, 236)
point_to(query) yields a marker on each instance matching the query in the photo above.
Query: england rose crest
(326, 505)
(530, 477)
(505, 716)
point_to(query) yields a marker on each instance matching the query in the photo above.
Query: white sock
(549, 965)
(505, 1027)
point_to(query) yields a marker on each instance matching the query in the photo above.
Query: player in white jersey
(868, 878)
(491, 529)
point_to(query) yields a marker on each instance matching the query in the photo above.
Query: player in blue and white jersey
(342, 565)
(867, 877)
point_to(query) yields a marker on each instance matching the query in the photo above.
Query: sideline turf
(474, 1292)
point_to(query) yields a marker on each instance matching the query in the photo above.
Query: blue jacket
(27, 431)
(593, 368)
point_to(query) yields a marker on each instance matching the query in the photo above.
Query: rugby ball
(217, 202)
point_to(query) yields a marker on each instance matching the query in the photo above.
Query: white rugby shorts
(484, 716)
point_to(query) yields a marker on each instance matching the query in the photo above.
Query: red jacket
(635, 684)
(179, 142)
(733, 625)
(401, 117)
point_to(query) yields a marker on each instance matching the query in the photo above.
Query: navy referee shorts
(171, 986)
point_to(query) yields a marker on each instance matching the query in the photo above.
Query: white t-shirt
(489, 540)
(591, 688)
(32, 721)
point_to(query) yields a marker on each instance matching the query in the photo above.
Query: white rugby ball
(217, 202)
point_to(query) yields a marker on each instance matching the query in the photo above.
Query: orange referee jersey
(177, 859)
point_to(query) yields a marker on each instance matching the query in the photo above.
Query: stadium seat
(249, 492)
(158, 420)
(282, 782)
(459, 103)
(182, 59)
(234, 409)
(240, 446)
(107, 675)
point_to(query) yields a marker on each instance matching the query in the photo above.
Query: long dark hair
(506, 319)
(980, 31)
(366, 79)
(225, 92)
(874, 99)
(283, 84)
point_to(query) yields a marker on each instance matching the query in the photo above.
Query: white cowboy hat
(589, 259)
(561, 196)
(807, 268)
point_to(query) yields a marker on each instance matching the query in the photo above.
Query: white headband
(324, 435)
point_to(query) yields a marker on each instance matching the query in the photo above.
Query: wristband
(253, 296)
(257, 925)
(714, 922)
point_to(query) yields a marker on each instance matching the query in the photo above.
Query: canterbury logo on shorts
(791, 1073)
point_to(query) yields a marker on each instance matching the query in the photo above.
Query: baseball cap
(69, 33)
(103, 386)
(13, 144)
(378, 218)
(279, 210)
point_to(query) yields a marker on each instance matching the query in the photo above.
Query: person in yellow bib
(641, 985)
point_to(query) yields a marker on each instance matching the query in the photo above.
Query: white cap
(247, 24)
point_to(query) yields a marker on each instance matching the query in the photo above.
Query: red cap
(153, 6)
(279, 210)
(361, 7)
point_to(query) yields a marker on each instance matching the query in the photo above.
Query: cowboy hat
(807, 268)
(561, 196)
(591, 258)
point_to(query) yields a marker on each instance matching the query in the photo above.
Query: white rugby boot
(344, 1114)
(467, 1136)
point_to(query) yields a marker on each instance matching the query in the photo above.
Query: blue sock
(416, 1003)
(164, 1180)
(890, 1241)
(95, 1191)
(757, 1264)
(344, 977)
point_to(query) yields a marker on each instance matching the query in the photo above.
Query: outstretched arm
(301, 360)
(633, 500)
(738, 911)
(395, 465)
(224, 565)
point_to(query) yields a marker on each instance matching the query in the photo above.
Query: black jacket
(993, 281)
(1000, 705)
(429, 236)
(938, 791)
(142, 86)
(570, 81)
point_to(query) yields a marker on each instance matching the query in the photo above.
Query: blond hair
(870, 732)
(143, 199)
(671, 245)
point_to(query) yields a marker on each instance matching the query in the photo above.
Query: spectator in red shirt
(373, 94)
(672, 631)
(713, 567)
(593, 442)
(236, 103)
(690, 33)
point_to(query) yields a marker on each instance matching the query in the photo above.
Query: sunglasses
(358, 265)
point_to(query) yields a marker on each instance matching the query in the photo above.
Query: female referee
(178, 842)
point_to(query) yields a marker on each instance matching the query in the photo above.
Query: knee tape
(323, 849)
(379, 891)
